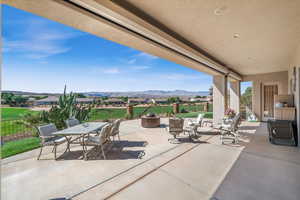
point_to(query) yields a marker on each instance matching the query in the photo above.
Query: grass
(115, 113)
(208, 115)
(19, 146)
(11, 121)
(14, 113)
(107, 113)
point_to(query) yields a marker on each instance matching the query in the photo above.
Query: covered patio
(257, 41)
(146, 166)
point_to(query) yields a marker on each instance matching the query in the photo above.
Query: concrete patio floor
(144, 165)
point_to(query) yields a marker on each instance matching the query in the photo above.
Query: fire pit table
(150, 121)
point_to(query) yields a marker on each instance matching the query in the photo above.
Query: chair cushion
(95, 140)
(55, 140)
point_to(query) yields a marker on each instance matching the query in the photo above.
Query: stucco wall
(258, 80)
(295, 62)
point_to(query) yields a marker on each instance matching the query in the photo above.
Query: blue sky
(42, 56)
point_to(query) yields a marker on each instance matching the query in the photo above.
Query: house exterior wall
(295, 62)
(258, 81)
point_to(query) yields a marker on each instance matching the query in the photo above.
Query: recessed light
(236, 35)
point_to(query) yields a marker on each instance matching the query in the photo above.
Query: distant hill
(143, 94)
(150, 93)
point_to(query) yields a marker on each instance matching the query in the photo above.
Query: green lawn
(114, 113)
(208, 115)
(14, 113)
(107, 113)
(19, 146)
(11, 119)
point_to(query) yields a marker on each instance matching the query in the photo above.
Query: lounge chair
(197, 122)
(229, 129)
(48, 139)
(99, 140)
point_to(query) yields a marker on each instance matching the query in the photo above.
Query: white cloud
(131, 61)
(146, 56)
(140, 67)
(39, 41)
(177, 77)
(98, 70)
(111, 71)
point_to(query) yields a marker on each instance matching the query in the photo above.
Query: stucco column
(219, 98)
(234, 95)
(257, 99)
(297, 102)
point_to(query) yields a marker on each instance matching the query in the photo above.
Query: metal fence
(15, 129)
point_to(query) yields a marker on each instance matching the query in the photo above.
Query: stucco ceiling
(249, 36)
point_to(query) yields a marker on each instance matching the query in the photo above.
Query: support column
(234, 95)
(175, 108)
(219, 98)
(257, 100)
(130, 111)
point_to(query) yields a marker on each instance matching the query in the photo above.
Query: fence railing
(15, 129)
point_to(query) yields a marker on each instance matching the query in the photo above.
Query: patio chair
(115, 130)
(48, 139)
(98, 140)
(175, 128)
(194, 124)
(72, 122)
(229, 130)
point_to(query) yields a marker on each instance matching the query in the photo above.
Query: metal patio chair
(72, 122)
(115, 130)
(175, 128)
(98, 140)
(48, 139)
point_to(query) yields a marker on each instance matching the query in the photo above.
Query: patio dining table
(80, 130)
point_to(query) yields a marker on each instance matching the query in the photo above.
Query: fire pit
(150, 121)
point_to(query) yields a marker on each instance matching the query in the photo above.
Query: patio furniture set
(228, 129)
(96, 134)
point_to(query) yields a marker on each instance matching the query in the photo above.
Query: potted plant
(230, 113)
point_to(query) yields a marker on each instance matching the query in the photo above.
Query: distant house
(185, 99)
(160, 100)
(200, 99)
(137, 101)
(114, 101)
(85, 100)
(50, 100)
(53, 100)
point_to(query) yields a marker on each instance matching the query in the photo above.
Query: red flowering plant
(230, 113)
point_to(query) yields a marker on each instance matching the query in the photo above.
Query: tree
(80, 95)
(246, 98)
(173, 100)
(13, 100)
(125, 99)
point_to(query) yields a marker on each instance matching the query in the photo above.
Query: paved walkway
(145, 166)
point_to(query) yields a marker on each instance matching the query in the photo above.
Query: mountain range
(144, 94)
